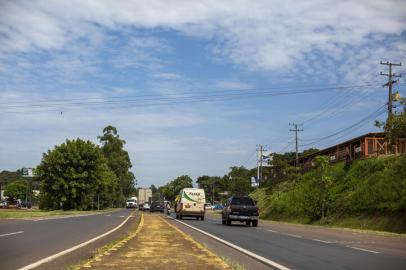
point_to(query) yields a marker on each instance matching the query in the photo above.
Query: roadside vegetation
(76, 175)
(369, 194)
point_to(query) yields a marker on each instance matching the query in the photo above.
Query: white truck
(190, 203)
(131, 202)
(144, 195)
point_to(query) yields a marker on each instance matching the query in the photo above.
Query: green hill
(369, 194)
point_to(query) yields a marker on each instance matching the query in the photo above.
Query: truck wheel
(202, 217)
(255, 223)
(180, 217)
(248, 223)
(223, 221)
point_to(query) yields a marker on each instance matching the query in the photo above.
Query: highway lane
(296, 252)
(23, 242)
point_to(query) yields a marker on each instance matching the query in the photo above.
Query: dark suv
(157, 207)
(242, 209)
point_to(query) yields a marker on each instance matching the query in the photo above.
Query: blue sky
(99, 51)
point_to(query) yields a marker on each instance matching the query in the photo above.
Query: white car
(208, 206)
(146, 207)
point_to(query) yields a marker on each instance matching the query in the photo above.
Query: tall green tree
(212, 186)
(75, 175)
(239, 180)
(171, 189)
(16, 190)
(118, 160)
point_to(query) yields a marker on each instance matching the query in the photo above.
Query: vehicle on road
(208, 206)
(131, 202)
(242, 209)
(144, 207)
(157, 207)
(3, 204)
(218, 207)
(190, 203)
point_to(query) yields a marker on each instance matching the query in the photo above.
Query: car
(208, 206)
(218, 207)
(157, 207)
(242, 209)
(3, 204)
(144, 207)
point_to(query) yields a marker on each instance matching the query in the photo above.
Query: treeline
(370, 186)
(81, 175)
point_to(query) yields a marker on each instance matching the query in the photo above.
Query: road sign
(27, 172)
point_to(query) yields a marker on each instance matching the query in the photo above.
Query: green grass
(22, 213)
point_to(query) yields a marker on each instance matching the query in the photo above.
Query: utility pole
(296, 130)
(390, 83)
(259, 161)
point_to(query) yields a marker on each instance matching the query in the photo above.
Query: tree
(74, 175)
(323, 181)
(16, 190)
(212, 186)
(173, 188)
(239, 180)
(395, 126)
(118, 160)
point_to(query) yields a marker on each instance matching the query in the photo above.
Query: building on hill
(365, 146)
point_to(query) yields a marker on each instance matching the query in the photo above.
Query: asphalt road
(23, 242)
(296, 252)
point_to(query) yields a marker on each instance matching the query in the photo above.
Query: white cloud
(262, 35)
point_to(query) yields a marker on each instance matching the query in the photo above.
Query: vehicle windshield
(132, 200)
(242, 201)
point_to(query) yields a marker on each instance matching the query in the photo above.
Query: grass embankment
(368, 195)
(34, 213)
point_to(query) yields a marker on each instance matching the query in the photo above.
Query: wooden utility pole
(390, 83)
(296, 129)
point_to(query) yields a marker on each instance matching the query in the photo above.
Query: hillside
(369, 194)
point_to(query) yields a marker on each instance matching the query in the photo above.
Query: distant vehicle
(208, 206)
(218, 207)
(157, 207)
(144, 207)
(131, 203)
(26, 204)
(242, 209)
(190, 203)
(144, 195)
(3, 204)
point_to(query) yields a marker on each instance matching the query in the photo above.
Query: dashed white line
(323, 241)
(363, 249)
(13, 233)
(107, 215)
(272, 231)
(122, 216)
(294, 235)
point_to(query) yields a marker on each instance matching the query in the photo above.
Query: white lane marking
(7, 234)
(363, 249)
(107, 215)
(122, 216)
(294, 235)
(272, 231)
(59, 254)
(318, 240)
(240, 249)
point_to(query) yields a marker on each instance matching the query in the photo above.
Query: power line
(158, 100)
